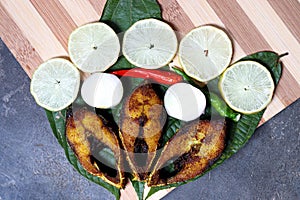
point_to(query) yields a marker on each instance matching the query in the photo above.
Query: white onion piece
(184, 102)
(102, 90)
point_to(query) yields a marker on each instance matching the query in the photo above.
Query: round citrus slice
(150, 44)
(205, 52)
(94, 47)
(55, 84)
(247, 87)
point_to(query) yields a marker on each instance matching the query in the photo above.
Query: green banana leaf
(120, 15)
(171, 127)
(240, 132)
(139, 188)
(269, 59)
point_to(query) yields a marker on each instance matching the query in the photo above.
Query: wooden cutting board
(36, 30)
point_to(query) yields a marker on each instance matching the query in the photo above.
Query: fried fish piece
(188, 153)
(96, 146)
(141, 122)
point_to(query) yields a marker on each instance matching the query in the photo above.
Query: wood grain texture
(288, 11)
(37, 30)
(34, 28)
(200, 12)
(175, 16)
(239, 26)
(81, 11)
(66, 26)
(18, 43)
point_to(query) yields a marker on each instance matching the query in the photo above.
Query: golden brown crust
(87, 135)
(141, 126)
(191, 150)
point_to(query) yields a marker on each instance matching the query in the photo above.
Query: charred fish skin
(141, 123)
(189, 152)
(89, 137)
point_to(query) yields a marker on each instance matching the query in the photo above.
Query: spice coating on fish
(189, 152)
(141, 122)
(92, 141)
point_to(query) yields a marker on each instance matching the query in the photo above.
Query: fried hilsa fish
(189, 152)
(141, 121)
(92, 140)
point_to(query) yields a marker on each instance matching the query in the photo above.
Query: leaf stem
(284, 54)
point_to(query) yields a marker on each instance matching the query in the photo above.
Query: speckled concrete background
(33, 165)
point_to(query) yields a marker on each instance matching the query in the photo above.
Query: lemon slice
(247, 87)
(55, 84)
(94, 47)
(149, 44)
(205, 52)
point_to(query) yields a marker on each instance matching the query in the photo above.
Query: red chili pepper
(160, 76)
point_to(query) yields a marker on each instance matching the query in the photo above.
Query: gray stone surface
(33, 165)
